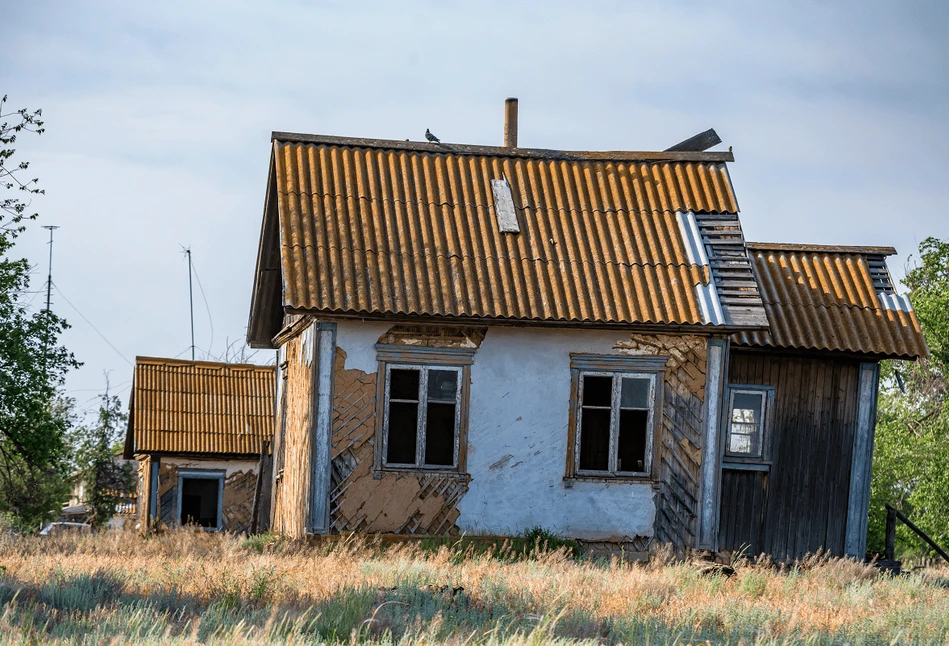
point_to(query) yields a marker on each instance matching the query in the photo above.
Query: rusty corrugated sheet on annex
(826, 300)
(201, 407)
(376, 230)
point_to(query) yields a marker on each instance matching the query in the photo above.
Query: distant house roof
(375, 228)
(839, 298)
(199, 407)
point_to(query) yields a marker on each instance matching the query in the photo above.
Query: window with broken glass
(614, 434)
(422, 416)
(747, 415)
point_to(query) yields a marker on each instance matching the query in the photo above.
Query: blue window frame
(201, 498)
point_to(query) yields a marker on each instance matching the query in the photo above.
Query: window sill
(453, 474)
(747, 466)
(568, 481)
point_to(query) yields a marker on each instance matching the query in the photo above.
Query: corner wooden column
(322, 411)
(715, 376)
(855, 539)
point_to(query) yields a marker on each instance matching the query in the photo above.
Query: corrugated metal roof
(200, 407)
(825, 298)
(369, 227)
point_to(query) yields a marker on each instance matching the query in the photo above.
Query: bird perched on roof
(432, 138)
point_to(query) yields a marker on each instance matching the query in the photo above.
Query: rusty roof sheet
(832, 298)
(392, 228)
(200, 407)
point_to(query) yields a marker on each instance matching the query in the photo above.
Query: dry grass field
(184, 587)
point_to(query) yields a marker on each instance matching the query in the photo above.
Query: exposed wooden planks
(697, 143)
(680, 436)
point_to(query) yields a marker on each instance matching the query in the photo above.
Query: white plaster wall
(229, 467)
(517, 436)
(358, 339)
(517, 443)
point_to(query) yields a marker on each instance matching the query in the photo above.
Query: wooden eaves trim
(427, 319)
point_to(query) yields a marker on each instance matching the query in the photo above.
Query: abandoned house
(196, 429)
(480, 340)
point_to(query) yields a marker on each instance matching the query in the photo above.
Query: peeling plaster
(517, 438)
(229, 467)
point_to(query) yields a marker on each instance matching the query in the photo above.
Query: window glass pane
(746, 407)
(440, 434)
(199, 497)
(595, 438)
(442, 385)
(738, 443)
(403, 426)
(745, 429)
(635, 393)
(403, 383)
(597, 391)
(631, 447)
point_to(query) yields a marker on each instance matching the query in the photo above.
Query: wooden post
(260, 517)
(858, 502)
(888, 554)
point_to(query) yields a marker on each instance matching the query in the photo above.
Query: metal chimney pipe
(510, 123)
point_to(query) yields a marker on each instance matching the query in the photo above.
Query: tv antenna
(187, 251)
(49, 279)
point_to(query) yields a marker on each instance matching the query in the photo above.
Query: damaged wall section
(517, 438)
(239, 483)
(364, 499)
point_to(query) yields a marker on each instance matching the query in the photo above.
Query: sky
(158, 121)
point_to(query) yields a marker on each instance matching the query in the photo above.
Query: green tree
(911, 452)
(34, 421)
(107, 482)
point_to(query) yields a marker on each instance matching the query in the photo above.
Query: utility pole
(191, 301)
(49, 280)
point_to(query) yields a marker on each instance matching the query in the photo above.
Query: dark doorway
(200, 502)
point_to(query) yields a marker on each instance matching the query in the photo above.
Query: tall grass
(185, 587)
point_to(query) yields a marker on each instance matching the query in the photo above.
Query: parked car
(56, 529)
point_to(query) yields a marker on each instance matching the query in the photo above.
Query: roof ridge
(501, 151)
(820, 248)
(155, 361)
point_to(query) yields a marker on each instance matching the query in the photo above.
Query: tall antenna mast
(49, 279)
(191, 301)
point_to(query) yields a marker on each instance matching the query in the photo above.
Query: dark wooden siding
(744, 494)
(800, 506)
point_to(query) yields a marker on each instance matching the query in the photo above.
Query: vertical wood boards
(801, 504)
(294, 450)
